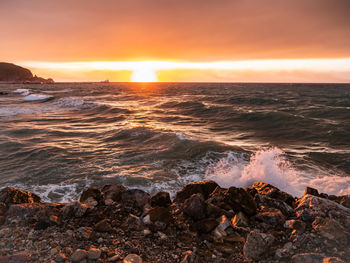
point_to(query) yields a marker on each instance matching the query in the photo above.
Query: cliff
(12, 73)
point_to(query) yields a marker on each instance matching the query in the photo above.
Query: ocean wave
(23, 92)
(271, 166)
(36, 97)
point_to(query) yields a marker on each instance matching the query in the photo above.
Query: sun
(144, 75)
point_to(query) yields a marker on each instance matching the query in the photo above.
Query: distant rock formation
(12, 73)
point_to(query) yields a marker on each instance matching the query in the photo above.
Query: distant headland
(13, 73)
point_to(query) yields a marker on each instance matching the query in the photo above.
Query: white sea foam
(270, 166)
(23, 92)
(35, 97)
(74, 102)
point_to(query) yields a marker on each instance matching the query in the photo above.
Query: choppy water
(56, 139)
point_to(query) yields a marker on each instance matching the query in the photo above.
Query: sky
(48, 36)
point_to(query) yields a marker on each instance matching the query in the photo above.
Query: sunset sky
(182, 40)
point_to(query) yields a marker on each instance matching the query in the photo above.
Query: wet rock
(239, 220)
(205, 188)
(309, 207)
(195, 207)
(331, 229)
(91, 197)
(78, 255)
(161, 199)
(206, 225)
(94, 253)
(132, 258)
(296, 225)
(103, 226)
(75, 209)
(10, 195)
(26, 210)
(160, 214)
(264, 200)
(113, 192)
(135, 198)
(311, 191)
(307, 258)
(271, 216)
(134, 223)
(257, 244)
(344, 200)
(3, 208)
(273, 192)
(236, 199)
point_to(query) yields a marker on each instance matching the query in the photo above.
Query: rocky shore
(204, 223)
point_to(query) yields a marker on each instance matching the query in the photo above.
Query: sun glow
(144, 75)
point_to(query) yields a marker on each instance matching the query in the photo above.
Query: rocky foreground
(204, 223)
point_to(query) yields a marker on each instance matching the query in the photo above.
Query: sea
(58, 139)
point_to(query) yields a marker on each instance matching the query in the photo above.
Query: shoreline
(204, 223)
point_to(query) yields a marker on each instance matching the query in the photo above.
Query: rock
(10, 195)
(309, 207)
(161, 214)
(27, 210)
(75, 209)
(132, 258)
(21, 257)
(307, 258)
(219, 232)
(146, 232)
(161, 235)
(206, 225)
(2, 220)
(147, 220)
(205, 188)
(257, 244)
(103, 226)
(273, 192)
(91, 196)
(3, 208)
(78, 255)
(271, 216)
(135, 198)
(114, 258)
(94, 253)
(161, 199)
(134, 223)
(236, 199)
(85, 232)
(344, 200)
(61, 257)
(195, 207)
(264, 200)
(239, 220)
(332, 260)
(190, 257)
(296, 225)
(331, 229)
(113, 192)
(285, 251)
(311, 191)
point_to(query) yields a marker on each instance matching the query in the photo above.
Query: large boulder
(331, 229)
(257, 244)
(74, 209)
(205, 188)
(135, 198)
(310, 206)
(161, 199)
(236, 199)
(195, 207)
(273, 192)
(113, 192)
(263, 200)
(10, 195)
(91, 196)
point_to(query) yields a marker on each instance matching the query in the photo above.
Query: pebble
(94, 253)
(132, 258)
(78, 255)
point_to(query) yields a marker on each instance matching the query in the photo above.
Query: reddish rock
(91, 193)
(273, 192)
(113, 192)
(271, 216)
(257, 244)
(161, 199)
(103, 226)
(205, 188)
(236, 199)
(10, 195)
(195, 207)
